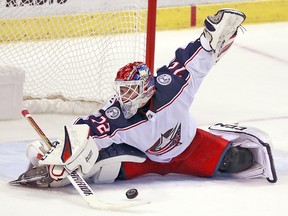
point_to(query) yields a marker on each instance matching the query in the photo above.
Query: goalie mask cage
(71, 50)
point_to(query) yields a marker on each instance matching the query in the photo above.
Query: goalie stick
(77, 180)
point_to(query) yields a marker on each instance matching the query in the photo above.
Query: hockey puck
(131, 193)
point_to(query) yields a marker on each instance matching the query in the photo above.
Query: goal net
(71, 50)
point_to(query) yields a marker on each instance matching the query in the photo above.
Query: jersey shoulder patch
(113, 112)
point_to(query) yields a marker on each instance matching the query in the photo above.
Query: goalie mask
(134, 86)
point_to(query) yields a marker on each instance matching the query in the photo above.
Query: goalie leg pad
(257, 142)
(106, 168)
(110, 159)
(108, 164)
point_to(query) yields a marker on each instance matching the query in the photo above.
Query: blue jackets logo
(164, 79)
(168, 141)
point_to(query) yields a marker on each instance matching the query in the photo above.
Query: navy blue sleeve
(182, 55)
(177, 66)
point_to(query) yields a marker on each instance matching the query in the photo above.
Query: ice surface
(249, 86)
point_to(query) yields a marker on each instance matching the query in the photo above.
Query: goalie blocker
(249, 156)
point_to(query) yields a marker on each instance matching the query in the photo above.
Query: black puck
(131, 193)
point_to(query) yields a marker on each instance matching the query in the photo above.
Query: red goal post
(71, 50)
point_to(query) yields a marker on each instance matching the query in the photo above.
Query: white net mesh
(71, 57)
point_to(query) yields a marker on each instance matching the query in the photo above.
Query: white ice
(249, 86)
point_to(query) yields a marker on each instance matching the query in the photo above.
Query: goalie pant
(201, 158)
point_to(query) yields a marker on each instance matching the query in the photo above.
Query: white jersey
(164, 127)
